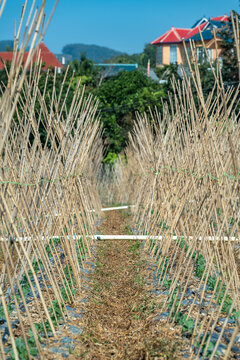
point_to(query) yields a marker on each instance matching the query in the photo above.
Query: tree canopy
(120, 97)
(128, 92)
(149, 53)
(229, 54)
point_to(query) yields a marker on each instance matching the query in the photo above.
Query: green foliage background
(128, 92)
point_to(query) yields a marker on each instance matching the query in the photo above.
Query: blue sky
(124, 25)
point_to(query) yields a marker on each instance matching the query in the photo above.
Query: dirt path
(119, 316)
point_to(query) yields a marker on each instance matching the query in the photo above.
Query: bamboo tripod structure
(38, 181)
(182, 173)
(185, 166)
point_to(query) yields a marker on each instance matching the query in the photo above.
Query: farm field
(172, 292)
(120, 314)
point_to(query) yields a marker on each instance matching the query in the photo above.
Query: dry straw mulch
(119, 316)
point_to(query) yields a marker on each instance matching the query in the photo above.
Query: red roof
(220, 18)
(196, 30)
(174, 35)
(48, 58)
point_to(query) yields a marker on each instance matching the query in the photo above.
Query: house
(170, 48)
(64, 58)
(48, 58)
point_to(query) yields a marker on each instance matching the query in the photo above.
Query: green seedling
(186, 323)
(135, 247)
(21, 347)
(139, 280)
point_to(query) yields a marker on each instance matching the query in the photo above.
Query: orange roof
(48, 58)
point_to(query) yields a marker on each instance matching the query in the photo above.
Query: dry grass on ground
(119, 316)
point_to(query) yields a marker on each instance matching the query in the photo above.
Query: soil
(118, 321)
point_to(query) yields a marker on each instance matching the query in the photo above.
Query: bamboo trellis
(38, 181)
(183, 174)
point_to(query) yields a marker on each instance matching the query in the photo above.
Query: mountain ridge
(93, 52)
(6, 43)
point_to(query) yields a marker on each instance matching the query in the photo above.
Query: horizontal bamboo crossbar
(115, 208)
(124, 237)
(107, 209)
(148, 237)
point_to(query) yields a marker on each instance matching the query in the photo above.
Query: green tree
(86, 70)
(8, 48)
(167, 73)
(119, 99)
(206, 75)
(4, 74)
(149, 53)
(229, 54)
(124, 59)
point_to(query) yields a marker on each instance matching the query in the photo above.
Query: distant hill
(5, 43)
(96, 53)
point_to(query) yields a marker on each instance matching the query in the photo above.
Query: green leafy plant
(186, 323)
(22, 349)
(135, 247)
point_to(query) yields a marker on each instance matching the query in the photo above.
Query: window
(210, 54)
(173, 54)
(159, 55)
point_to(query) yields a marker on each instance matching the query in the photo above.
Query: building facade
(170, 45)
